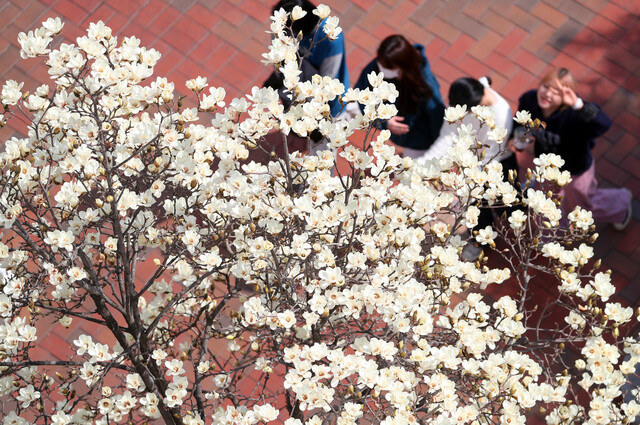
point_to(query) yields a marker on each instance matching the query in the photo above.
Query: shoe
(627, 219)
(471, 252)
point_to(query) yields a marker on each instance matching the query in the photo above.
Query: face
(549, 97)
(389, 73)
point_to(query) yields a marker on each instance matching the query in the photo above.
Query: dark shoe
(627, 219)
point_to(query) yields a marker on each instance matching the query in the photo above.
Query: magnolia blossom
(214, 99)
(59, 239)
(297, 13)
(522, 117)
(197, 84)
(11, 92)
(581, 217)
(517, 220)
(322, 11)
(497, 134)
(27, 395)
(455, 113)
(331, 28)
(486, 235)
(34, 43)
(53, 25)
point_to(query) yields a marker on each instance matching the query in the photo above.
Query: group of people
(572, 124)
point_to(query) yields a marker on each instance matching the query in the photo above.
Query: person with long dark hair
(420, 106)
(572, 126)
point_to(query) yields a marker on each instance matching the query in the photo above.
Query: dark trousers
(486, 213)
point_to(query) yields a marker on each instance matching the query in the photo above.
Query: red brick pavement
(513, 41)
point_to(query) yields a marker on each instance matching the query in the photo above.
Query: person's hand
(569, 97)
(396, 126)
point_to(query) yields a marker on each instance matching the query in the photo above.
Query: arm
(429, 77)
(433, 112)
(328, 55)
(595, 121)
(442, 144)
(331, 65)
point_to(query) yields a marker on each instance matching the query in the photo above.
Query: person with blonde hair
(572, 126)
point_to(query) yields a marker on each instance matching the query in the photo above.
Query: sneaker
(627, 219)
(471, 252)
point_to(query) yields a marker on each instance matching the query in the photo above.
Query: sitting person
(571, 128)
(420, 106)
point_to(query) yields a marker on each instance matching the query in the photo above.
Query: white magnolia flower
(455, 113)
(60, 239)
(11, 92)
(53, 26)
(34, 44)
(266, 413)
(522, 117)
(27, 395)
(485, 114)
(297, 13)
(174, 367)
(486, 236)
(331, 28)
(471, 216)
(65, 321)
(214, 99)
(197, 84)
(498, 134)
(517, 220)
(322, 11)
(60, 418)
(581, 218)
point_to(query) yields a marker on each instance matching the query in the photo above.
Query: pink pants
(606, 205)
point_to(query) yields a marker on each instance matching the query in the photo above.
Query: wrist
(578, 104)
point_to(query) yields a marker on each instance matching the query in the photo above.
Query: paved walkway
(512, 41)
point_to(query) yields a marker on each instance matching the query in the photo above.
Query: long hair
(308, 23)
(395, 51)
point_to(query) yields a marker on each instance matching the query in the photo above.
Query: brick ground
(514, 41)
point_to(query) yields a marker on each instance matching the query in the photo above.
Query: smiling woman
(572, 126)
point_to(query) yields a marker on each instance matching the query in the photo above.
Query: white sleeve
(331, 65)
(442, 144)
(503, 114)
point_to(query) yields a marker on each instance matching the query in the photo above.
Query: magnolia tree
(286, 291)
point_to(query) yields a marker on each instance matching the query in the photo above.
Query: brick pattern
(514, 42)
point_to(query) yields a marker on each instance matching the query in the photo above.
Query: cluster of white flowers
(548, 169)
(360, 303)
